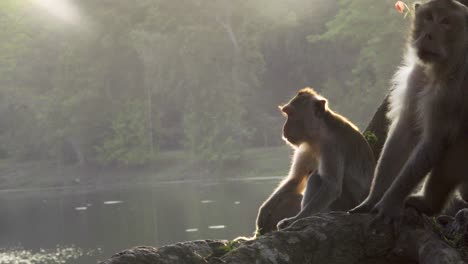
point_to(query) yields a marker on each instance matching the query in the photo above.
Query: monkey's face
(440, 31)
(303, 114)
(294, 127)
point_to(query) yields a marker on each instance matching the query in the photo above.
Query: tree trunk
(379, 127)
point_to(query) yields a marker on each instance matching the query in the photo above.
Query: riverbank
(170, 166)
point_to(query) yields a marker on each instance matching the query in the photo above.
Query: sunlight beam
(64, 10)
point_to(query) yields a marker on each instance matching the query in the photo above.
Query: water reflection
(112, 202)
(117, 218)
(42, 256)
(217, 227)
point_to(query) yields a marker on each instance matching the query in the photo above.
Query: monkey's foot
(365, 207)
(388, 212)
(421, 204)
(286, 222)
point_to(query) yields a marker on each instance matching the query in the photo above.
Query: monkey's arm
(304, 162)
(324, 186)
(421, 161)
(291, 188)
(397, 148)
(436, 138)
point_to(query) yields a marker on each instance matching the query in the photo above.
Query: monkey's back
(359, 162)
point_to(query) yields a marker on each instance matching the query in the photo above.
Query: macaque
(428, 135)
(332, 164)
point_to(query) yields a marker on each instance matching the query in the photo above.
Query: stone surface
(332, 238)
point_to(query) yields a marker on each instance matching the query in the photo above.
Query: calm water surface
(84, 225)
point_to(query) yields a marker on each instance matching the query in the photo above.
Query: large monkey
(429, 115)
(328, 146)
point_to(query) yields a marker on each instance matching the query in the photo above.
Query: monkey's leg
(435, 192)
(313, 186)
(288, 207)
(397, 148)
(284, 202)
(427, 155)
(457, 166)
(323, 187)
(456, 169)
(458, 203)
(463, 189)
(444, 178)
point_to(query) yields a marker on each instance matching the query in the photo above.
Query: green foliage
(257, 232)
(371, 37)
(15, 36)
(139, 77)
(223, 250)
(455, 240)
(214, 131)
(128, 142)
(371, 137)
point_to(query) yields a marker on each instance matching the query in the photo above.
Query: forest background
(180, 87)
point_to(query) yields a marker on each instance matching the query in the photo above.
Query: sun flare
(64, 10)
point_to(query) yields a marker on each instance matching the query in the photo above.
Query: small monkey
(331, 150)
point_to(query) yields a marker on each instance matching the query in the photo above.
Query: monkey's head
(304, 116)
(440, 31)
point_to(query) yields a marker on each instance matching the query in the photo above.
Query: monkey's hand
(285, 222)
(388, 212)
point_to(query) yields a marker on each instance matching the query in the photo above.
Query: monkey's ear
(321, 106)
(416, 5)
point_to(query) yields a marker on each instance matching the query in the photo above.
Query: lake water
(84, 225)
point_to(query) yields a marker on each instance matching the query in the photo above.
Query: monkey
(428, 136)
(464, 2)
(332, 162)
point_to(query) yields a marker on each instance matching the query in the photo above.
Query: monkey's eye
(445, 22)
(428, 17)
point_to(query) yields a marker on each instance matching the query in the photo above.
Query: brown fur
(322, 140)
(430, 118)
